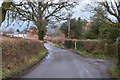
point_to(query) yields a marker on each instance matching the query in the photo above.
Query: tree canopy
(76, 28)
(113, 8)
(40, 13)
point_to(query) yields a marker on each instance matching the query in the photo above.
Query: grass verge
(18, 69)
(99, 56)
(114, 71)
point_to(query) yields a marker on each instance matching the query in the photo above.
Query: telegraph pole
(68, 28)
(69, 16)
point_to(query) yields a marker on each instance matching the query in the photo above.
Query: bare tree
(3, 10)
(69, 18)
(113, 8)
(110, 7)
(41, 13)
(11, 30)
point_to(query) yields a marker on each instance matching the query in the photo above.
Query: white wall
(17, 35)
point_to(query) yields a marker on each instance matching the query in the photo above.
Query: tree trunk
(119, 51)
(41, 29)
(41, 32)
(0, 16)
(3, 10)
(119, 58)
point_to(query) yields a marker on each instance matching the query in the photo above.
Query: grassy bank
(19, 54)
(99, 56)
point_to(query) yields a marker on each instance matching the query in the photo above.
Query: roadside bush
(111, 49)
(99, 47)
(90, 46)
(86, 45)
(81, 45)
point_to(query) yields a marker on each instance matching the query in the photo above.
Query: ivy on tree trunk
(119, 58)
(41, 34)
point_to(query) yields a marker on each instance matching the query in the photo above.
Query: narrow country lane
(62, 63)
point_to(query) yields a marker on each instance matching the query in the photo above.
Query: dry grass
(18, 54)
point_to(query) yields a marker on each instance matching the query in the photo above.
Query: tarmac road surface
(62, 63)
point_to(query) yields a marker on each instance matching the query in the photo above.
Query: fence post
(13, 34)
(75, 44)
(23, 35)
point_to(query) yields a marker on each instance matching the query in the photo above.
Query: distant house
(15, 34)
(20, 34)
(31, 34)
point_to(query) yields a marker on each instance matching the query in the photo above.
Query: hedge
(19, 54)
(69, 44)
(86, 45)
(93, 46)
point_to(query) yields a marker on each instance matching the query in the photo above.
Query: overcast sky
(78, 12)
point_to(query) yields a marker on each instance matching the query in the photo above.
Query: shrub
(90, 47)
(81, 45)
(86, 45)
(111, 49)
(99, 47)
